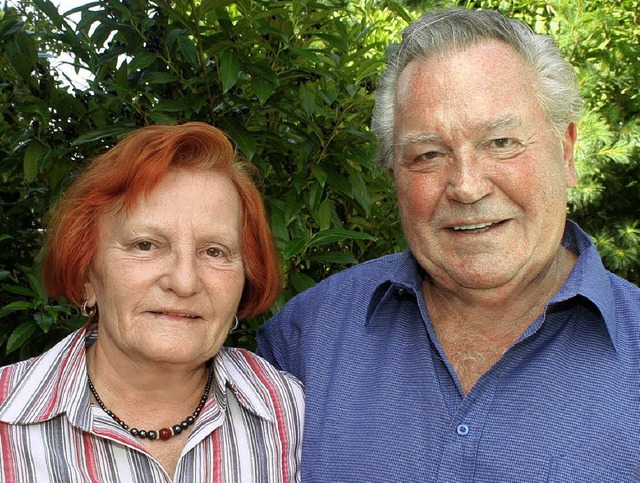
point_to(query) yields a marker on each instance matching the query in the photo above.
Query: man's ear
(569, 140)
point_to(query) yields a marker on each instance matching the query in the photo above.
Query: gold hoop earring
(87, 311)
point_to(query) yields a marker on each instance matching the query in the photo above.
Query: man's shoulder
(625, 293)
(363, 276)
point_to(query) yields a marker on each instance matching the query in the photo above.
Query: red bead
(165, 433)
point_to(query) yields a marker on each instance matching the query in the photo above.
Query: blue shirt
(384, 404)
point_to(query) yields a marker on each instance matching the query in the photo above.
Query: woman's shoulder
(260, 370)
(28, 378)
(11, 375)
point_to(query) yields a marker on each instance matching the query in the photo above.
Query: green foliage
(292, 83)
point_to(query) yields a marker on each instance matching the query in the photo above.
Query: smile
(475, 228)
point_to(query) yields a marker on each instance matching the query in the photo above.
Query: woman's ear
(89, 293)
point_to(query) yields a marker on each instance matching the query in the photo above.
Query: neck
(522, 299)
(142, 395)
(476, 327)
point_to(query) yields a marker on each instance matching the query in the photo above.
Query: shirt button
(462, 429)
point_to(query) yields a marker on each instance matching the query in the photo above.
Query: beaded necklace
(164, 433)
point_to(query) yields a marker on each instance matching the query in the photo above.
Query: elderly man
(497, 348)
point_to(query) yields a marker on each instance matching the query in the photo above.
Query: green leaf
(30, 160)
(15, 307)
(300, 282)
(307, 99)
(36, 286)
(262, 88)
(18, 290)
(20, 335)
(10, 26)
(113, 131)
(44, 321)
(337, 235)
(399, 9)
(245, 141)
(360, 192)
(229, 69)
(23, 54)
(320, 174)
(294, 248)
(333, 257)
(172, 105)
(142, 61)
(324, 214)
(159, 77)
(160, 118)
(207, 5)
(188, 50)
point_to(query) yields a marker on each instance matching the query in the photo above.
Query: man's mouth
(475, 228)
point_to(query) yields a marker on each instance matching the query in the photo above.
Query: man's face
(481, 177)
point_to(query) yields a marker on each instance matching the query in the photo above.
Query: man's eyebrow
(409, 139)
(507, 121)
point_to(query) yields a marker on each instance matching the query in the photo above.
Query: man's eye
(503, 143)
(429, 155)
(144, 246)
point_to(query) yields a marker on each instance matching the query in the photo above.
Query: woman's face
(168, 276)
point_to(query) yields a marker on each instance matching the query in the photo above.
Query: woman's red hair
(133, 168)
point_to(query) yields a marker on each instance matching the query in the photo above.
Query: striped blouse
(249, 431)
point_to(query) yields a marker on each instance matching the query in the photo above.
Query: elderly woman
(164, 243)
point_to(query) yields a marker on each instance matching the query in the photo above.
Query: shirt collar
(233, 371)
(56, 382)
(588, 279)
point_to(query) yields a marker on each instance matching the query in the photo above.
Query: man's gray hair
(453, 29)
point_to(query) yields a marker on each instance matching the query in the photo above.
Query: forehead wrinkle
(510, 120)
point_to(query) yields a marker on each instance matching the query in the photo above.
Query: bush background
(292, 82)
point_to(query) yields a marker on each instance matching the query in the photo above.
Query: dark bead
(133, 431)
(142, 433)
(184, 424)
(203, 400)
(110, 413)
(152, 434)
(196, 413)
(191, 419)
(177, 429)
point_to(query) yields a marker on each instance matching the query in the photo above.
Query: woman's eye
(214, 252)
(144, 246)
